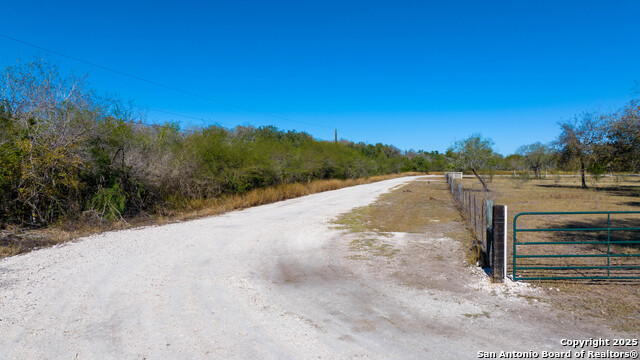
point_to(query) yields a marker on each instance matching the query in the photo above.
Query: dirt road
(269, 282)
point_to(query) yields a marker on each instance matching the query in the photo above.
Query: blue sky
(415, 74)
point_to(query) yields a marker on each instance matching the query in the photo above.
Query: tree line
(65, 152)
(589, 143)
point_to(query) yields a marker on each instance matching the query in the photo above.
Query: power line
(158, 83)
(181, 115)
(184, 116)
(148, 108)
(140, 122)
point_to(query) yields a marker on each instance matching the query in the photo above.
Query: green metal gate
(588, 246)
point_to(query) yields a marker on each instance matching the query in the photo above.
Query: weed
(479, 315)
(521, 179)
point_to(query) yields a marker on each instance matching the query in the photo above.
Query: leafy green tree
(473, 153)
(10, 157)
(514, 162)
(623, 133)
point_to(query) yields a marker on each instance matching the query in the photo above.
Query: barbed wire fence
(477, 208)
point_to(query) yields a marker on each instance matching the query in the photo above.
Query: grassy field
(422, 206)
(614, 300)
(16, 240)
(412, 208)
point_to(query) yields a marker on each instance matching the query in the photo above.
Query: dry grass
(418, 207)
(372, 246)
(615, 301)
(15, 240)
(413, 208)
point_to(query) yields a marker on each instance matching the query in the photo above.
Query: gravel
(269, 282)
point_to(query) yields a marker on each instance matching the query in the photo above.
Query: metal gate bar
(608, 255)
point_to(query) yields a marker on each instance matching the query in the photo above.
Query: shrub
(597, 171)
(109, 203)
(64, 151)
(521, 179)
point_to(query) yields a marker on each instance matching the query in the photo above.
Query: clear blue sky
(415, 74)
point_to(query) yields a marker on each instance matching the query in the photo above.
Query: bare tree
(536, 156)
(473, 153)
(580, 139)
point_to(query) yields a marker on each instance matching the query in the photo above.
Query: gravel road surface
(270, 282)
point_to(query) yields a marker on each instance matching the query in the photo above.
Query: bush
(521, 179)
(597, 171)
(69, 152)
(109, 203)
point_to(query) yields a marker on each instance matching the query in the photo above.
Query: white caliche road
(270, 282)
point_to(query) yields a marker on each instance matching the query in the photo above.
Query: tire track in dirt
(273, 282)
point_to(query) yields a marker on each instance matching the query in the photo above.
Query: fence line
(476, 209)
(488, 224)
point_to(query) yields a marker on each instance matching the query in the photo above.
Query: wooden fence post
(483, 211)
(472, 215)
(499, 245)
(475, 218)
(488, 230)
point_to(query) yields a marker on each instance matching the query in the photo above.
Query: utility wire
(147, 108)
(140, 122)
(183, 115)
(159, 84)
